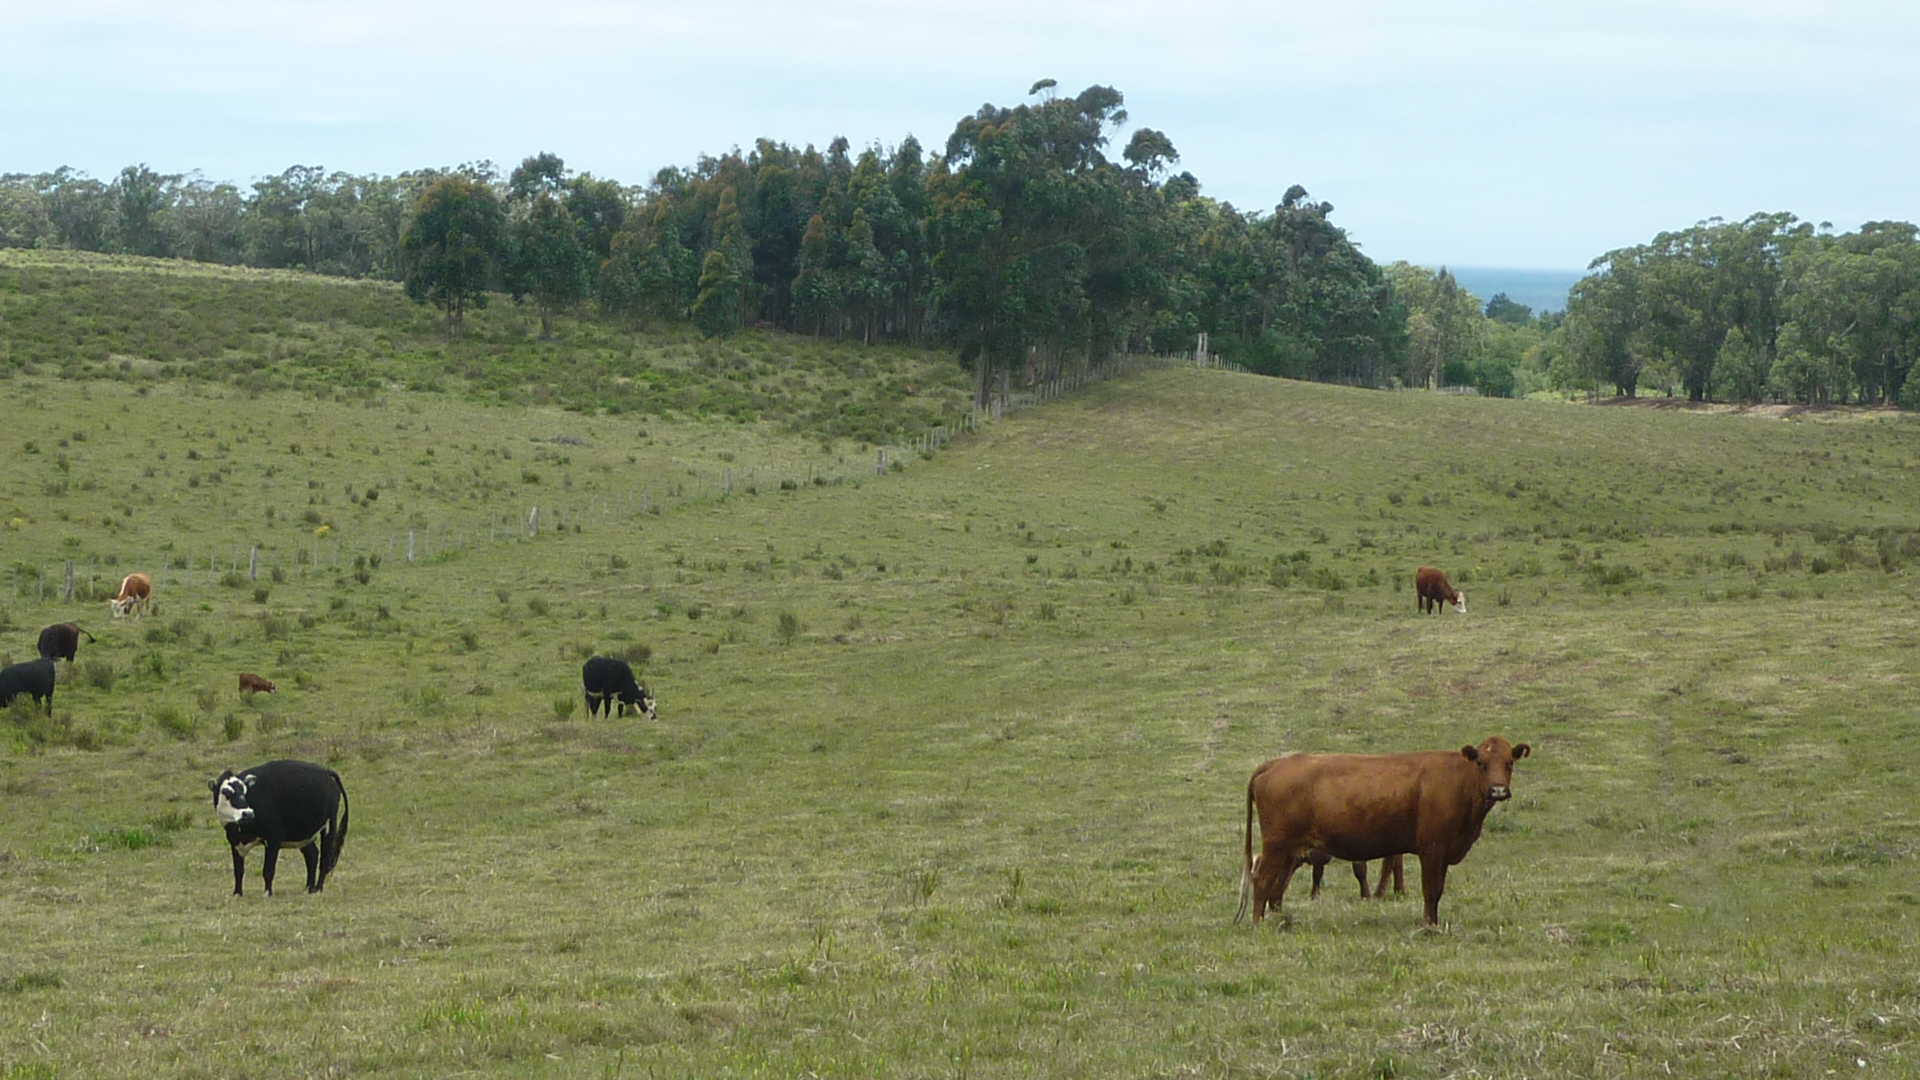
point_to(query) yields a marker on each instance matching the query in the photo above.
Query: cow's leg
(267, 863)
(239, 867)
(1398, 863)
(1433, 882)
(1360, 875)
(311, 852)
(1263, 880)
(1319, 871)
(1270, 878)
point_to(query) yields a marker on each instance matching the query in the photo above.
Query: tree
(1504, 309)
(141, 199)
(452, 246)
(1443, 324)
(716, 311)
(550, 257)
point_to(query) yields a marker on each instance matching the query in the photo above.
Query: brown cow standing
(61, 641)
(1369, 806)
(135, 591)
(1432, 589)
(251, 684)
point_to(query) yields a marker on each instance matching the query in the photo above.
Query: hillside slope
(950, 767)
(141, 320)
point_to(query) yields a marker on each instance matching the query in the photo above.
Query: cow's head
(1460, 602)
(230, 797)
(1495, 758)
(638, 697)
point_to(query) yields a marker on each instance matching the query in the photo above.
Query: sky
(1527, 134)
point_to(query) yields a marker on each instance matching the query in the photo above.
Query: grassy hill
(146, 320)
(949, 772)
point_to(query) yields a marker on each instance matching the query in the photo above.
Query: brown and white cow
(1356, 807)
(251, 684)
(135, 591)
(1432, 589)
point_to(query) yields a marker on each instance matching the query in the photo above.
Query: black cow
(283, 804)
(61, 640)
(34, 678)
(608, 679)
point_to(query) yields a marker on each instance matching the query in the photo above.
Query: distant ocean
(1541, 290)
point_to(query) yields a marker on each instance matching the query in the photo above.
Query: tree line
(1027, 247)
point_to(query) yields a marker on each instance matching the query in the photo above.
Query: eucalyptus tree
(548, 254)
(453, 246)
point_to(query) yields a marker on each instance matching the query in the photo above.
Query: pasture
(949, 769)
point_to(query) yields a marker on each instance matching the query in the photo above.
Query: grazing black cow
(608, 679)
(283, 804)
(34, 678)
(61, 640)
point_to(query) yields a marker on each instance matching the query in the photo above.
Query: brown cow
(251, 684)
(61, 641)
(1433, 590)
(135, 591)
(1369, 806)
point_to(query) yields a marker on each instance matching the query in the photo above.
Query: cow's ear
(213, 785)
(1470, 753)
(1521, 750)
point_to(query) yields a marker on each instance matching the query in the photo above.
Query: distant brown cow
(251, 684)
(135, 591)
(1368, 806)
(1433, 590)
(61, 640)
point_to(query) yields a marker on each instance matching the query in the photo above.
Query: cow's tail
(336, 836)
(1246, 858)
(89, 637)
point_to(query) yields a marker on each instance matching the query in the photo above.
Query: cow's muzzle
(1499, 793)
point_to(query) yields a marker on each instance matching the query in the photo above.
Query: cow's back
(1356, 806)
(299, 796)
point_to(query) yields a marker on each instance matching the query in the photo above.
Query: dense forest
(1028, 249)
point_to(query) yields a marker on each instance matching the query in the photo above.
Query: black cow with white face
(608, 679)
(61, 640)
(283, 804)
(33, 678)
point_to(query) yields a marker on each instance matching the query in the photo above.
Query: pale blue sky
(1475, 132)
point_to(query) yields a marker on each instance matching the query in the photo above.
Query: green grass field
(949, 772)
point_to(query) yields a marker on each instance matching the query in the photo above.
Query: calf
(33, 678)
(1432, 589)
(135, 591)
(251, 684)
(1370, 806)
(608, 679)
(61, 640)
(1393, 866)
(283, 804)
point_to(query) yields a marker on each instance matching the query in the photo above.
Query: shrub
(636, 654)
(563, 707)
(98, 674)
(173, 720)
(789, 627)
